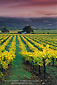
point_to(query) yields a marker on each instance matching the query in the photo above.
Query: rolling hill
(36, 23)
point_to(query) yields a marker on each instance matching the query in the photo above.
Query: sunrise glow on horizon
(28, 8)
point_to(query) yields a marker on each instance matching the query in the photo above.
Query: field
(38, 31)
(24, 56)
(45, 31)
(35, 31)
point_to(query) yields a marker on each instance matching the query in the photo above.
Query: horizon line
(26, 17)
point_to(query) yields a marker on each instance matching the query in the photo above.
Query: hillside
(36, 23)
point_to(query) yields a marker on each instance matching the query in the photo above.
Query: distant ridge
(36, 23)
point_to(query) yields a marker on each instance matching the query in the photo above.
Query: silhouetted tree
(28, 29)
(4, 30)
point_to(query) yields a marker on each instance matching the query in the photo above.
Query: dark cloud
(30, 2)
(49, 14)
(45, 13)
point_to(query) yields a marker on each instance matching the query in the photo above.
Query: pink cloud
(28, 8)
(29, 2)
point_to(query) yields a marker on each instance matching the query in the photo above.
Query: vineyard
(38, 51)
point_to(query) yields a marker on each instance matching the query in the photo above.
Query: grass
(52, 71)
(14, 31)
(45, 31)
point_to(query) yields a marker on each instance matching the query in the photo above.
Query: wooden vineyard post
(39, 70)
(44, 67)
(53, 61)
(36, 66)
(56, 59)
(49, 63)
(33, 66)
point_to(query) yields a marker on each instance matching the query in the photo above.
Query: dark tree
(28, 29)
(4, 30)
(19, 32)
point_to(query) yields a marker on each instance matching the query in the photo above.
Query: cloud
(31, 8)
(45, 12)
(29, 2)
(49, 14)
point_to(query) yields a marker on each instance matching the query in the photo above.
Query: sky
(28, 8)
